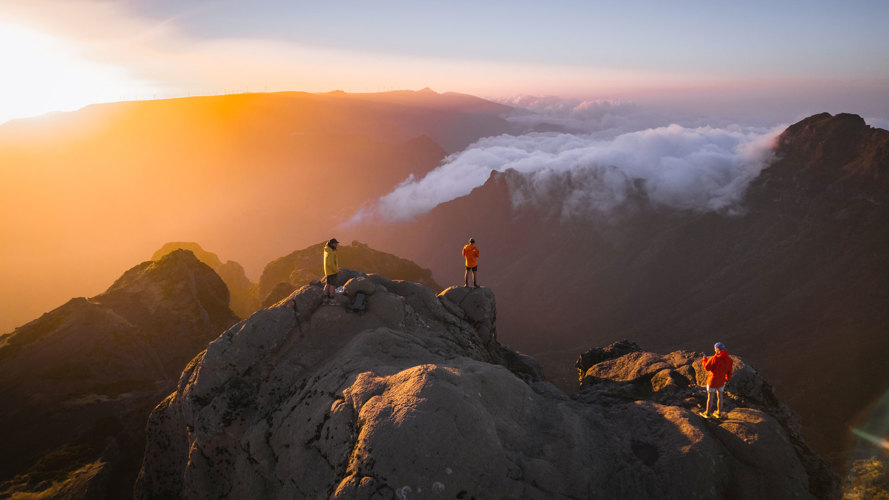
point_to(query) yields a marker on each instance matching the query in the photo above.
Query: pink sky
(69, 54)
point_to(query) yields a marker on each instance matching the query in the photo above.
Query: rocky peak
(209, 258)
(242, 291)
(191, 295)
(77, 383)
(414, 397)
(841, 143)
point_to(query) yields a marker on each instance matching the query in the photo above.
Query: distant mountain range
(85, 194)
(798, 283)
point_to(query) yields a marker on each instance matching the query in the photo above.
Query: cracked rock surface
(415, 398)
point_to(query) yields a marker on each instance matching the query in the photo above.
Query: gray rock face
(415, 398)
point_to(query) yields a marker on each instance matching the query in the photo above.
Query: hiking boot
(474, 285)
(705, 415)
(717, 414)
(466, 285)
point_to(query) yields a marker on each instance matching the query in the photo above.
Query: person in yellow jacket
(331, 269)
(470, 253)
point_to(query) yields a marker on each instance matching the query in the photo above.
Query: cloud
(878, 123)
(701, 169)
(551, 113)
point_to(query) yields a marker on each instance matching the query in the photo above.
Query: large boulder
(624, 371)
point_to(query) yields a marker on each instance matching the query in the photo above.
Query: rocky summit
(77, 384)
(412, 396)
(242, 292)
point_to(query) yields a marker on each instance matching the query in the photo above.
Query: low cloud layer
(573, 115)
(701, 169)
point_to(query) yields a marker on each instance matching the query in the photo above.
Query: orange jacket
(470, 251)
(719, 368)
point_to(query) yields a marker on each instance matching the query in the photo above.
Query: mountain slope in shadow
(79, 382)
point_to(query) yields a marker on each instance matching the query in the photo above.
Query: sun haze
(746, 57)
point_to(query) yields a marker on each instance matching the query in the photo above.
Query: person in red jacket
(470, 253)
(719, 371)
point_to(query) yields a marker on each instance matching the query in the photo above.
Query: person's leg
(466, 278)
(719, 398)
(711, 400)
(475, 276)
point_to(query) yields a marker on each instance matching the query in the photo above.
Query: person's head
(719, 346)
(333, 243)
(472, 241)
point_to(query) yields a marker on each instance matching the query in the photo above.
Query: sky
(753, 59)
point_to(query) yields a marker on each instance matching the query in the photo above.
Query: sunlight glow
(43, 73)
(876, 440)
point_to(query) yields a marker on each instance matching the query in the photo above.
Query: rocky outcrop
(415, 398)
(302, 266)
(622, 371)
(821, 145)
(242, 291)
(77, 384)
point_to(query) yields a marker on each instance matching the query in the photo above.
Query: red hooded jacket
(719, 368)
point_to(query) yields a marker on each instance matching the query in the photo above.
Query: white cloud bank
(701, 169)
(553, 113)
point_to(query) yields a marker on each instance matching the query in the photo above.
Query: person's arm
(708, 363)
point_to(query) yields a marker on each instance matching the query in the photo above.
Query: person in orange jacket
(719, 371)
(470, 253)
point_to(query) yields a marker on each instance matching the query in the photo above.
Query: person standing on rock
(719, 371)
(331, 269)
(471, 253)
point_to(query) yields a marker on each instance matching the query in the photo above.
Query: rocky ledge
(414, 397)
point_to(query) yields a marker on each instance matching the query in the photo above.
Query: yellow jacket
(330, 264)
